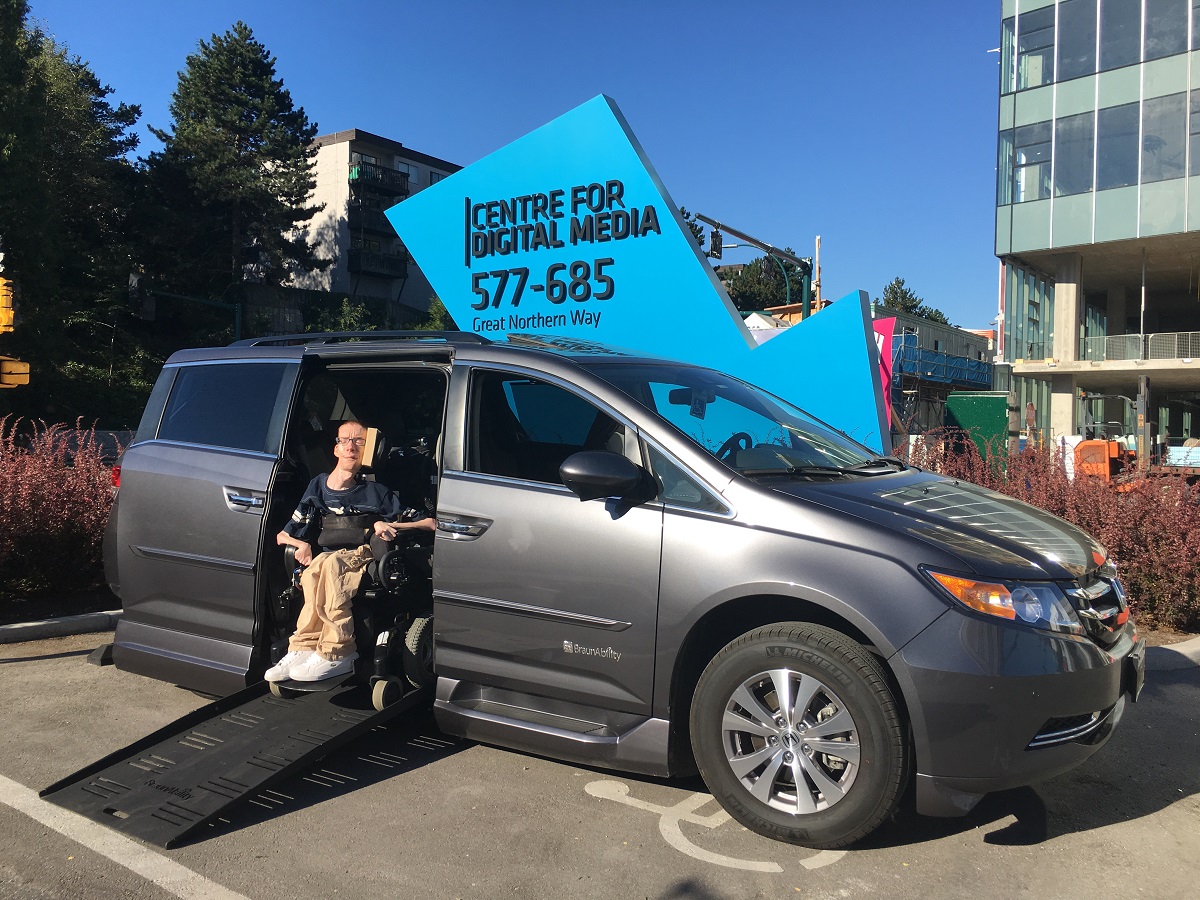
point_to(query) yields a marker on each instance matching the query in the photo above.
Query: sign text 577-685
(579, 280)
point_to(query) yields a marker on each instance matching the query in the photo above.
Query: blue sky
(869, 122)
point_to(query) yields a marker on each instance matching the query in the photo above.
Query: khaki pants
(325, 623)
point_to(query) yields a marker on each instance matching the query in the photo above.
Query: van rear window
(232, 405)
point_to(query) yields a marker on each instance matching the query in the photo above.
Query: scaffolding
(922, 379)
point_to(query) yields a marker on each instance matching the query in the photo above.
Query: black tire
(417, 656)
(854, 771)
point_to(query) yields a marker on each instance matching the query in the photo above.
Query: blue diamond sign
(569, 231)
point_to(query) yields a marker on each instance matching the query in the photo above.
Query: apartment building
(359, 175)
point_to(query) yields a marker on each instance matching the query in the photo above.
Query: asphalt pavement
(407, 811)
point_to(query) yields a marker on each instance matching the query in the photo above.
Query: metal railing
(1173, 345)
(936, 366)
(388, 180)
(365, 219)
(1111, 347)
(1164, 345)
(389, 265)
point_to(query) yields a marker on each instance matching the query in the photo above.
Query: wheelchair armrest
(290, 567)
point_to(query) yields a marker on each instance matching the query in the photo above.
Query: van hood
(994, 535)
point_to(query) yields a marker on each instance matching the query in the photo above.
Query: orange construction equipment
(1103, 459)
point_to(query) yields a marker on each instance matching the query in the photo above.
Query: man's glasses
(357, 442)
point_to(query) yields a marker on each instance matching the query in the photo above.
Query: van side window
(677, 488)
(233, 405)
(524, 428)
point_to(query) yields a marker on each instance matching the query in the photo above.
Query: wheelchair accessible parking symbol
(687, 810)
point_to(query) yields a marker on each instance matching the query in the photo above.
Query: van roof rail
(336, 337)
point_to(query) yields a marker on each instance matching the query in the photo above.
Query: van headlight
(1038, 603)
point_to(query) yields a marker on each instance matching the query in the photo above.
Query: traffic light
(6, 305)
(714, 243)
(13, 372)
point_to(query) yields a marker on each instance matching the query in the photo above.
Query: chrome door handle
(240, 500)
(461, 528)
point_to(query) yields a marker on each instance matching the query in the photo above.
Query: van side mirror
(591, 474)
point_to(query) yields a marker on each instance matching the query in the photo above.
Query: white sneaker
(281, 671)
(318, 668)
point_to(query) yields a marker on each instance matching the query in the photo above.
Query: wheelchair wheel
(385, 692)
(417, 656)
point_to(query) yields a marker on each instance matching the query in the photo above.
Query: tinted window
(1163, 126)
(1073, 140)
(1076, 38)
(1035, 48)
(524, 428)
(1004, 168)
(1116, 146)
(1120, 33)
(235, 406)
(1008, 41)
(1166, 27)
(1031, 170)
(1194, 119)
(738, 423)
(678, 488)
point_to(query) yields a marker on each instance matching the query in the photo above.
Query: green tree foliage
(65, 198)
(898, 297)
(438, 318)
(339, 312)
(694, 227)
(759, 284)
(17, 103)
(232, 181)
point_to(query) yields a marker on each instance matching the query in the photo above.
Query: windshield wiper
(893, 463)
(827, 471)
(879, 466)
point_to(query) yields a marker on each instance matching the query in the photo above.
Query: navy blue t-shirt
(362, 498)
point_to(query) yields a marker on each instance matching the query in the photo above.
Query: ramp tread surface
(163, 787)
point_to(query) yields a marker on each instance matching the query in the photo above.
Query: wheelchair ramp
(170, 783)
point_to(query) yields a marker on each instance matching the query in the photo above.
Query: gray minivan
(641, 565)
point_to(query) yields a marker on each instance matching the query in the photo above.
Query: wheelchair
(393, 614)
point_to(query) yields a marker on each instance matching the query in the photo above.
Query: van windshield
(748, 429)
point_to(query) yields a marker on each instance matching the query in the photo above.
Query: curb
(1171, 657)
(60, 627)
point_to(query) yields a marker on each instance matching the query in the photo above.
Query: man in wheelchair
(339, 512)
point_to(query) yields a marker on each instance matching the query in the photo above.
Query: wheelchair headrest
(375, 451)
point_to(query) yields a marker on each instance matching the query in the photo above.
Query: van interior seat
(501, 435)
(314, 447)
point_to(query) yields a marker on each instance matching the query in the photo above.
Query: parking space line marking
(154, 867)
(822, 859)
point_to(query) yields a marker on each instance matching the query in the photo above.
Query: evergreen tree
(760, 284)
(438, 317)
(234, 176)
(694, 226)
(65, 194)
(897, 296)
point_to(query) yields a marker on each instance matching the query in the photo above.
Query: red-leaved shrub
(1150, 525)
(55, 494)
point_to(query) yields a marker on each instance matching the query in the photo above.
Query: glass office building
(1098, 208)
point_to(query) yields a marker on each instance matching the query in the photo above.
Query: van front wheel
(798, 735)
